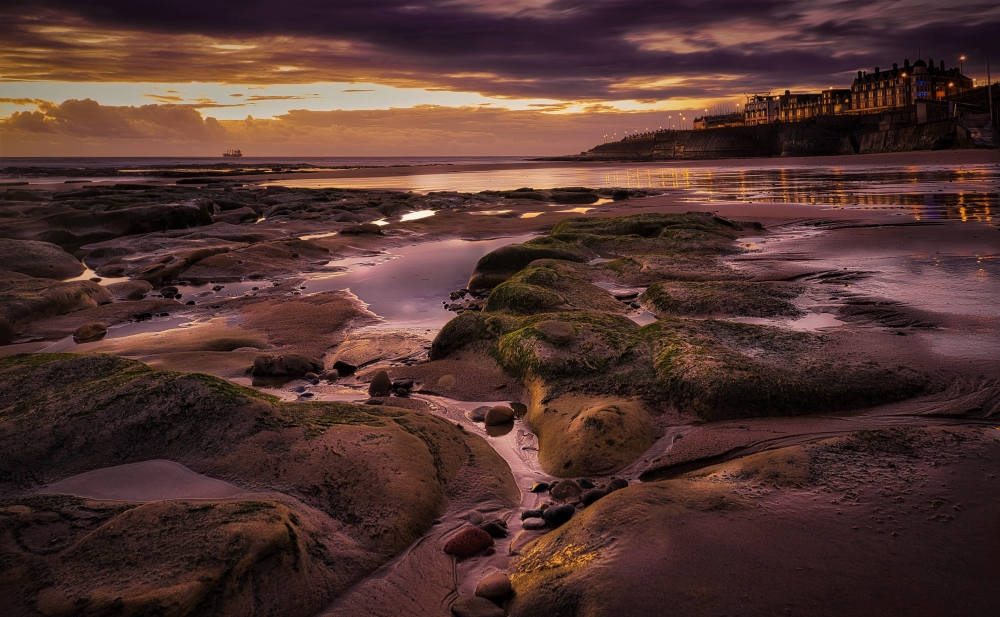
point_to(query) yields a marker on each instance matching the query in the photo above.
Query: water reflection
(966, 192)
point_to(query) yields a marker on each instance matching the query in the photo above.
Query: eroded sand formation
(634, 411)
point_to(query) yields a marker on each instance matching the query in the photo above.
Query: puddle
(643, 318)
(813, 322)
(577, 210)
(89, 274)
(406, 286)
(128, 329)
(317, 236)
(494, 213)
(531, 215)
(416, 216)
(153, 480)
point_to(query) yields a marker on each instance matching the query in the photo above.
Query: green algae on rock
(718, 298)
(498, 265)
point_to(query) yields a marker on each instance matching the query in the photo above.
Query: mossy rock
(651, 233)
(543, 289)
(499, 265)
(719, 370)
(716, 298)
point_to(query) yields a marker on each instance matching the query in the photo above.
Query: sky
(435, 78)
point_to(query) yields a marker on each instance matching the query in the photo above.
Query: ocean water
(9, 164)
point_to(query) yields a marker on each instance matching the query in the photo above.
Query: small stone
(496, 528)
(402, 392)
(564, 489)
(499, 415)
(468, 542)
(494, 587)
(90, 332)
(372, 401)
(332, 375)
(539, 487)
(592, 495)
(559, 332)
(476, 607)
(534, 523)
(343, 368)
(475, 517)
(447, 381)
(531, 514)
(558, 515)
(218, 288)
(306, 395)
(478, 414)
(617, 484)
(309, 375)
(189, 303)
(380, 385)
(300, 388)
(585, 483)
(406, 384)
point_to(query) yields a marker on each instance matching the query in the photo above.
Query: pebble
(496, 528)
(300, 388)
(564, 489)
(478, 414)
(557, 515)
(310, 375)
(539, 487)
(475, 517)
(534, 523)
(372, 401)
(494, 587)
(380, 385)
(592, 495)
(585, 483)
(476, 607)
(89, 332)
(617, 484)
(406, 384)
(531, 514)
(402, 392)
(468, 542)
(499, 415)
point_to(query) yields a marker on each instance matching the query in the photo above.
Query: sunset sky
(448, 77)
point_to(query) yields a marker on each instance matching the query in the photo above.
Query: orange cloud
(78, 128)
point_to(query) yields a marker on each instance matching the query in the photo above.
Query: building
(760, 109)
(798, 107)
(835, 101)
(903, 86)
(718, 121)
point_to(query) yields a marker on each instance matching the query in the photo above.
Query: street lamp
(961, 65)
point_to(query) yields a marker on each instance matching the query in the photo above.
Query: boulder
(286, 365)
(380, 385)
(475, 607)
(38, 259)
(130, 290)
(498, 415)
(468, 542)
(564, 489)
(590, 496)
(343, 368)
(557, 515)
(500, 264)
(90, 332)
(534, 523)
(617, 484)
(494, 587)
(478, 414)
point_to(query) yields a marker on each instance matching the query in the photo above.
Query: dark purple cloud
(566, 49)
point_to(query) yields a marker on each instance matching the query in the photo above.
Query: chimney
(787, 92)
(942, 65)
(876, 71)
(859, 75)
(930, 63)
(895, 67)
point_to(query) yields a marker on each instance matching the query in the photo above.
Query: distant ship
(232, 154)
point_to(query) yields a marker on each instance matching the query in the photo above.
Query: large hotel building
(870, 93)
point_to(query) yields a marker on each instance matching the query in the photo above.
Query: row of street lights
(670, 127)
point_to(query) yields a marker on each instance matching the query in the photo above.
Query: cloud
(76, 128)
(165, 98)
(357, 90)
(282, 97)
(561, 49)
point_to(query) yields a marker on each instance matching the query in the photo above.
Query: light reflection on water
(963, 192)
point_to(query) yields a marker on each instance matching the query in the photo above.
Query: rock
(534, 523)
(406, 384)
(497, 528)
(531, 514)
(285, 365)
(478, 414)
(500, 264)
(520, 409)
(380, 384)
(90, 332)
(310, 375)
(559, 332)
(564, 489)
(617, 484)
(362, 229)
(372, 401)
(130, 290)
(343, 368)
(475, 517)
(499, 415)
(447, 381)
(300, 389)
(476, 607)
(585, 483)
(557, 515)
(494, 587)
(402, 392)
(468, 542)
(38, 259)
(590, 496)
(539, 487)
